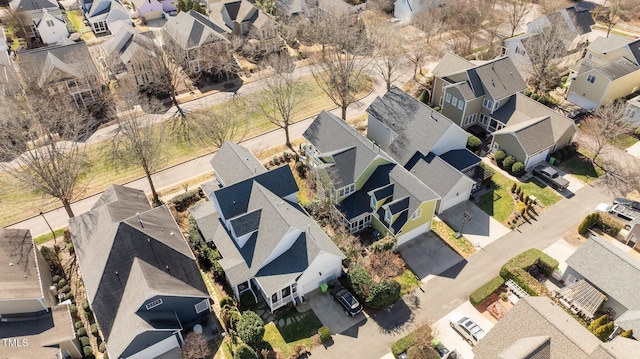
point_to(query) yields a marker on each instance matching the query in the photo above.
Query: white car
(471, 331)
(603, 207)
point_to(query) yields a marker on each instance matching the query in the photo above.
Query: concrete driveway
(450, 338)
(481, 230)
(427, 256)
(560, 250)
(331, 313)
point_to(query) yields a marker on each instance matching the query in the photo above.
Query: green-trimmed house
(365, 184)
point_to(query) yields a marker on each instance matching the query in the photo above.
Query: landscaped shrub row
(607, 223)
(403, 344)
(182, 201)
(516, 270)
(481, 294)
(474, 144)
(207, 257)
(509, 163)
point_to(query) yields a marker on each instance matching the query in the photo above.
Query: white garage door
(157, 349)
(151, 15)
(413, 234)
(581, 101)
(450, 202)
(537, 158)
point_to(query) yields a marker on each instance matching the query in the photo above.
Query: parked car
(627, 214)
(440, 348)
(350, 304)
(551, 176)
(627, 203)
(471, 331)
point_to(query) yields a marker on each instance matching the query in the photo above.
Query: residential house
(242, 18)
(153, 9)
(140, 276)
(537, 328)
(129, 56)
(406, 10)
(611, 271)
(487, 99)
(203, 42)
(632, 111)
(572, 26)
(416, 137)
(46, 19)
(367, 187)
(234, 163)
(33, 324)
(609, 70)
(271, 249)
(101, 14)
(292, 8)
(66, 72)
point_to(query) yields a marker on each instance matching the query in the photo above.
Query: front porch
(251, 292)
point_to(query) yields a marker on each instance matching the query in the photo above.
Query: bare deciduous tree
(388, 55)
(516, 11)
(466, 18)
(281, 94)
(20, 21)
(139, 139)
(611, 12)
(195, 346)
(42, 146)
(605, 127)
(385, 265)
(546, 51)
(216, 126)
(340, 70)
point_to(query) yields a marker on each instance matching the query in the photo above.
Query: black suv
(350, 304)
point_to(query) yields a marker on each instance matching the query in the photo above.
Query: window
(286, 292)
(202, 306)
(454, 101)
(153, 304)
(488, 104)
(448, 98)
(416, 214)
(441, 101)
(519, 51)
(373, 203)
(347, 190)
(50, 23)
(591, 78)
(274, 297)
(483, 119)
(387, 216)
(460, 105)
(469, 119)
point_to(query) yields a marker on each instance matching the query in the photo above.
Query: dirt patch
(574, 239)
(494, 308)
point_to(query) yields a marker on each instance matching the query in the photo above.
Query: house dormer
(380, 195)
(284, 244)
(394, 209)
(243, 226)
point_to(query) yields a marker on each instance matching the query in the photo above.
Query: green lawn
(580, 166)
(460, 244)
(77, 20)
(499, 204)
(285, 338)
(49, 236)
(625, 141)
(99, 172)
(408, 282)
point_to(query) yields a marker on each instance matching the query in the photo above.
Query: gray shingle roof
(351, 151)
(520, 108)
(461, 160)
(618, 348)
(73, 60)
(437, 174)
(127, 43)
(500, 78)
(603, 45)
(20, 274)
(618, 68)
(534, 135)
(581, 19)
(450, 64)
(234, 163)
(30, 5)
(630, 320)
(120, 251)
(417, 126)
(612, 270)
(44, 332)
(191, 29)
(536, 317)
(271, 217)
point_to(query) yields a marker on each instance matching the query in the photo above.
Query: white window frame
(484, 119)
(50, 23)
(591, 79)
(454, 101)
(373, 203)
(488, 104)
(153, 304)
(441, 101)
(347, 190)
(460, 105)
(448, 98)
(388, 216)
(202, 306)
(416, 214)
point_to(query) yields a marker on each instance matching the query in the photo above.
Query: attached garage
(537, 158)
(404, 238)
(158, 348)
(581, 101)
(152, 15)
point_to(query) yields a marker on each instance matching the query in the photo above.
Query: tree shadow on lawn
(400, 316)
(306, 327)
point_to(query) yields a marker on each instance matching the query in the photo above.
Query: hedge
(402, 345)
(499, 156)
(85, 341)
(479, 295)
(62, 282)
(182, 201)
(473, 143)
(87, 351)
(325, 334)
(373, 295)
(383, 244)
(508, 162)
(609, 224)
(81, 332)
(56, 278)
(94, 328)
(517, 169)
(587, 223)
(516, 270)
(102, 347)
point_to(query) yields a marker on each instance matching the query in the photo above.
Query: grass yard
(99, 172)
(284, 339)
(49, 236)
(77, 20)
(499, 204)
(460, 245)
(408, 282)
(625, 141)
(581, 167)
